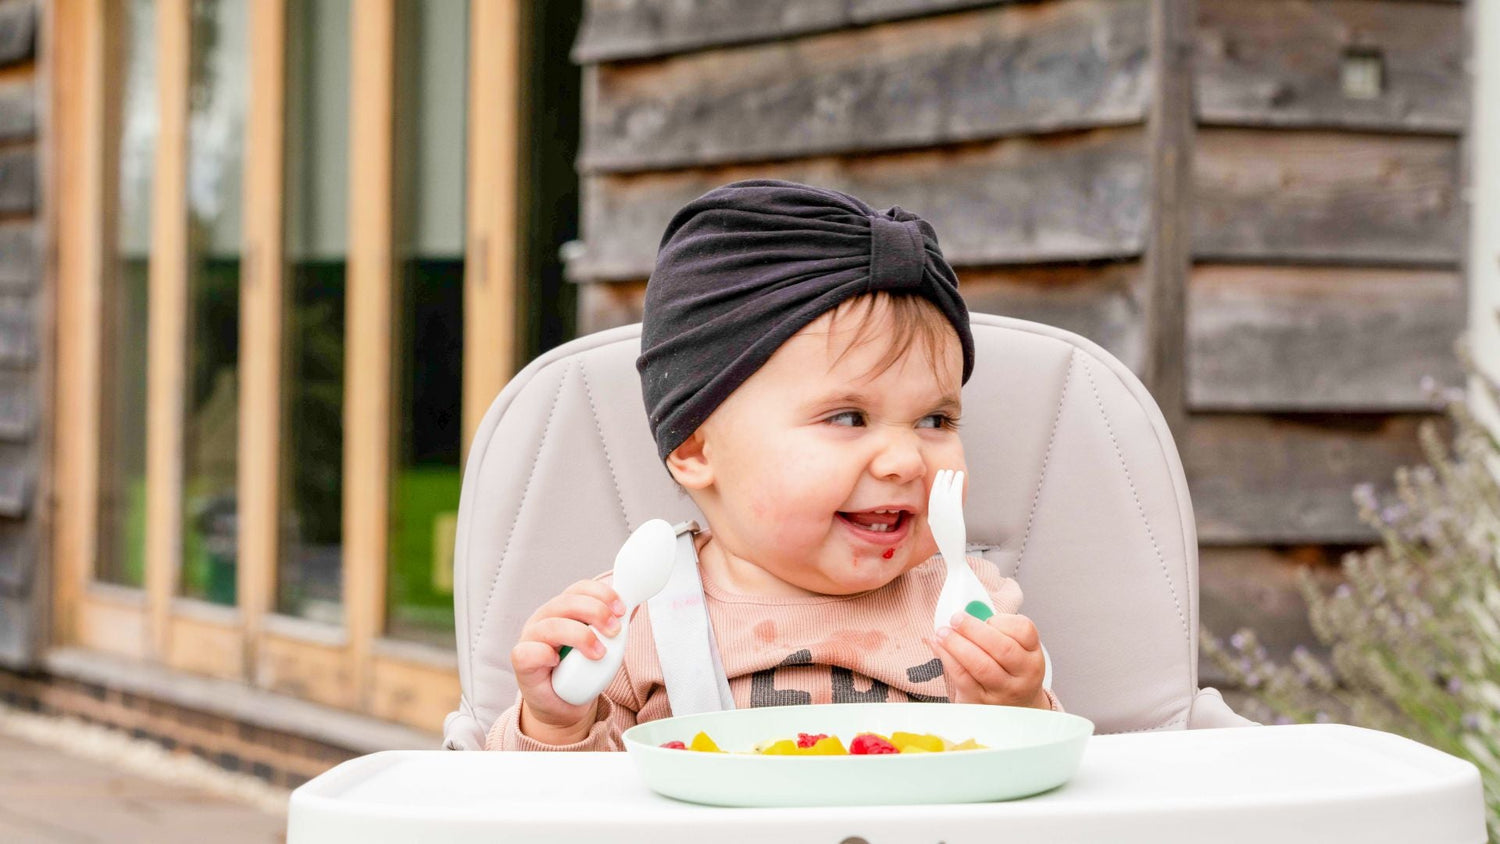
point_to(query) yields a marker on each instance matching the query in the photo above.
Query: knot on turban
(747, 265)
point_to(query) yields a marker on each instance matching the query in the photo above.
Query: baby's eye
(938, 420)
(847, 418)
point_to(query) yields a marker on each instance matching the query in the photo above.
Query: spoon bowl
(644, 562)
(642, 567)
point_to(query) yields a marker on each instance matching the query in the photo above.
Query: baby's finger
(586, 609)
(534, 663)
(1018, 627)
(990, 639)
(532, 659)
(961, 686)
(598, 589)
(975, 661)
(557, 632)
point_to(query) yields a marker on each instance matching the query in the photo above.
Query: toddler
(802, 357)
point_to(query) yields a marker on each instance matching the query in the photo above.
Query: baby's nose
(900, 458)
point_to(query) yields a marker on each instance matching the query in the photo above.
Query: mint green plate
(1030, 751)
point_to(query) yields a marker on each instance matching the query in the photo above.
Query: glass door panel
(309, 576)
(431, 50)
(132, 118)
(218, 98)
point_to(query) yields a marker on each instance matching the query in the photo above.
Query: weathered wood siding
(1320, 209)
(1279, 63)
(23, 593)
(634, 29)
(1327, 197)
(1016, 200)
(983, 74)
(1017, 129)
(1286, 479)
(1328, 233)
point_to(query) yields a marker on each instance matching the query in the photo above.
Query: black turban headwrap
(747, 265)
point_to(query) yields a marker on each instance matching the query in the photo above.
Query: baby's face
(821, 461)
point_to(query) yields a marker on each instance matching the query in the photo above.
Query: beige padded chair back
(1076, 491)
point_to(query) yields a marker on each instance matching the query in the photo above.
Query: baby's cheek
(758, 510)
(922, 545)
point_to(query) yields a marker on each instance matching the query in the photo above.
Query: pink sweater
(786, 651)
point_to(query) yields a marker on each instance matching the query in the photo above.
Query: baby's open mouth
(879, 521)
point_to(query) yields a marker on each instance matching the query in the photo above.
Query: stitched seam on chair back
(1139, 507)
(1046, 461)
(525, 491)
(608, 460)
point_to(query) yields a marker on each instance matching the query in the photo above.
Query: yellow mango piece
(785, 747)
(969, 744)
(830, 746)
(924, 742)
(703, 743)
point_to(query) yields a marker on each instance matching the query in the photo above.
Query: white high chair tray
(1305, 783)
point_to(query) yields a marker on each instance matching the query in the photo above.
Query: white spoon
(962, 589)
(642, 567)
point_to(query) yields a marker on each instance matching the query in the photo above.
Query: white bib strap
(685, 646)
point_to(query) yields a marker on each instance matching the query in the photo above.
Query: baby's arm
(541, 715)
(615, 716)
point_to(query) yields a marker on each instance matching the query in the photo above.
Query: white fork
(962, 591)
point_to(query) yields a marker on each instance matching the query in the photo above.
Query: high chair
(1076, 490)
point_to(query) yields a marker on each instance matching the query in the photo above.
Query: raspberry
(809, 739)
(674, 745)
(869, 744)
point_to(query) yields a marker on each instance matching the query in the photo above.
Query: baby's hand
(561, 621)
(998, 661)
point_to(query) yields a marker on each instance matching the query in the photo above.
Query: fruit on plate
(871, 744)
(822, 744)
(817, 745)
(810, 739)
(704, 744)
(701, 743)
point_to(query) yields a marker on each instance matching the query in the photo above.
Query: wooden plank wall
(23, 344)
(1293, 324)
(1327, 281)
(1018, 129)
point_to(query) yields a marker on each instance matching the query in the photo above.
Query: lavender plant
(1413, 632)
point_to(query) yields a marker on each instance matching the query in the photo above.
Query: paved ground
(48, 794)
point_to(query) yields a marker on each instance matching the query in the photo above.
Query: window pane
(216, 131)
(317, 163)
(428, 346)
(133, 114)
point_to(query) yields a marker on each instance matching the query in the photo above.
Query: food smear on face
(822, 744)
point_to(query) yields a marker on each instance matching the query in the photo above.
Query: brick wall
(277, 757)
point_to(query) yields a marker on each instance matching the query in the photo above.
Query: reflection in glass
(216, 128)
(133, 117)
(428, 346)
(317, 155)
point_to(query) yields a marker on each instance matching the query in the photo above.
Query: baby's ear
(689, 465)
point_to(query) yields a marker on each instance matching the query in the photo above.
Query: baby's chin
(865, 576)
